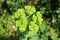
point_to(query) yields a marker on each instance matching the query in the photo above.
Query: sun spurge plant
(28, 18)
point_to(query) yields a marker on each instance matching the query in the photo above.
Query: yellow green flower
(28, 7)
(31, 28)
(22, 28)
(34, 17)
(38, 14)
(18, 23)
(33, 9)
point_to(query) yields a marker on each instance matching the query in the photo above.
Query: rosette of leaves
(28, 19)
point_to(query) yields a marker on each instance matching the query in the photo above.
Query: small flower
(22, 28)
(33, 9)
(28, 7)
(34, 17)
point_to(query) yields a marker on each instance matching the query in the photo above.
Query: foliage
(29, 19)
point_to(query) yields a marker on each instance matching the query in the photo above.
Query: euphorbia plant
(28, 19)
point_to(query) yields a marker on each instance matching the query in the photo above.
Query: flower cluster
(32, 22)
